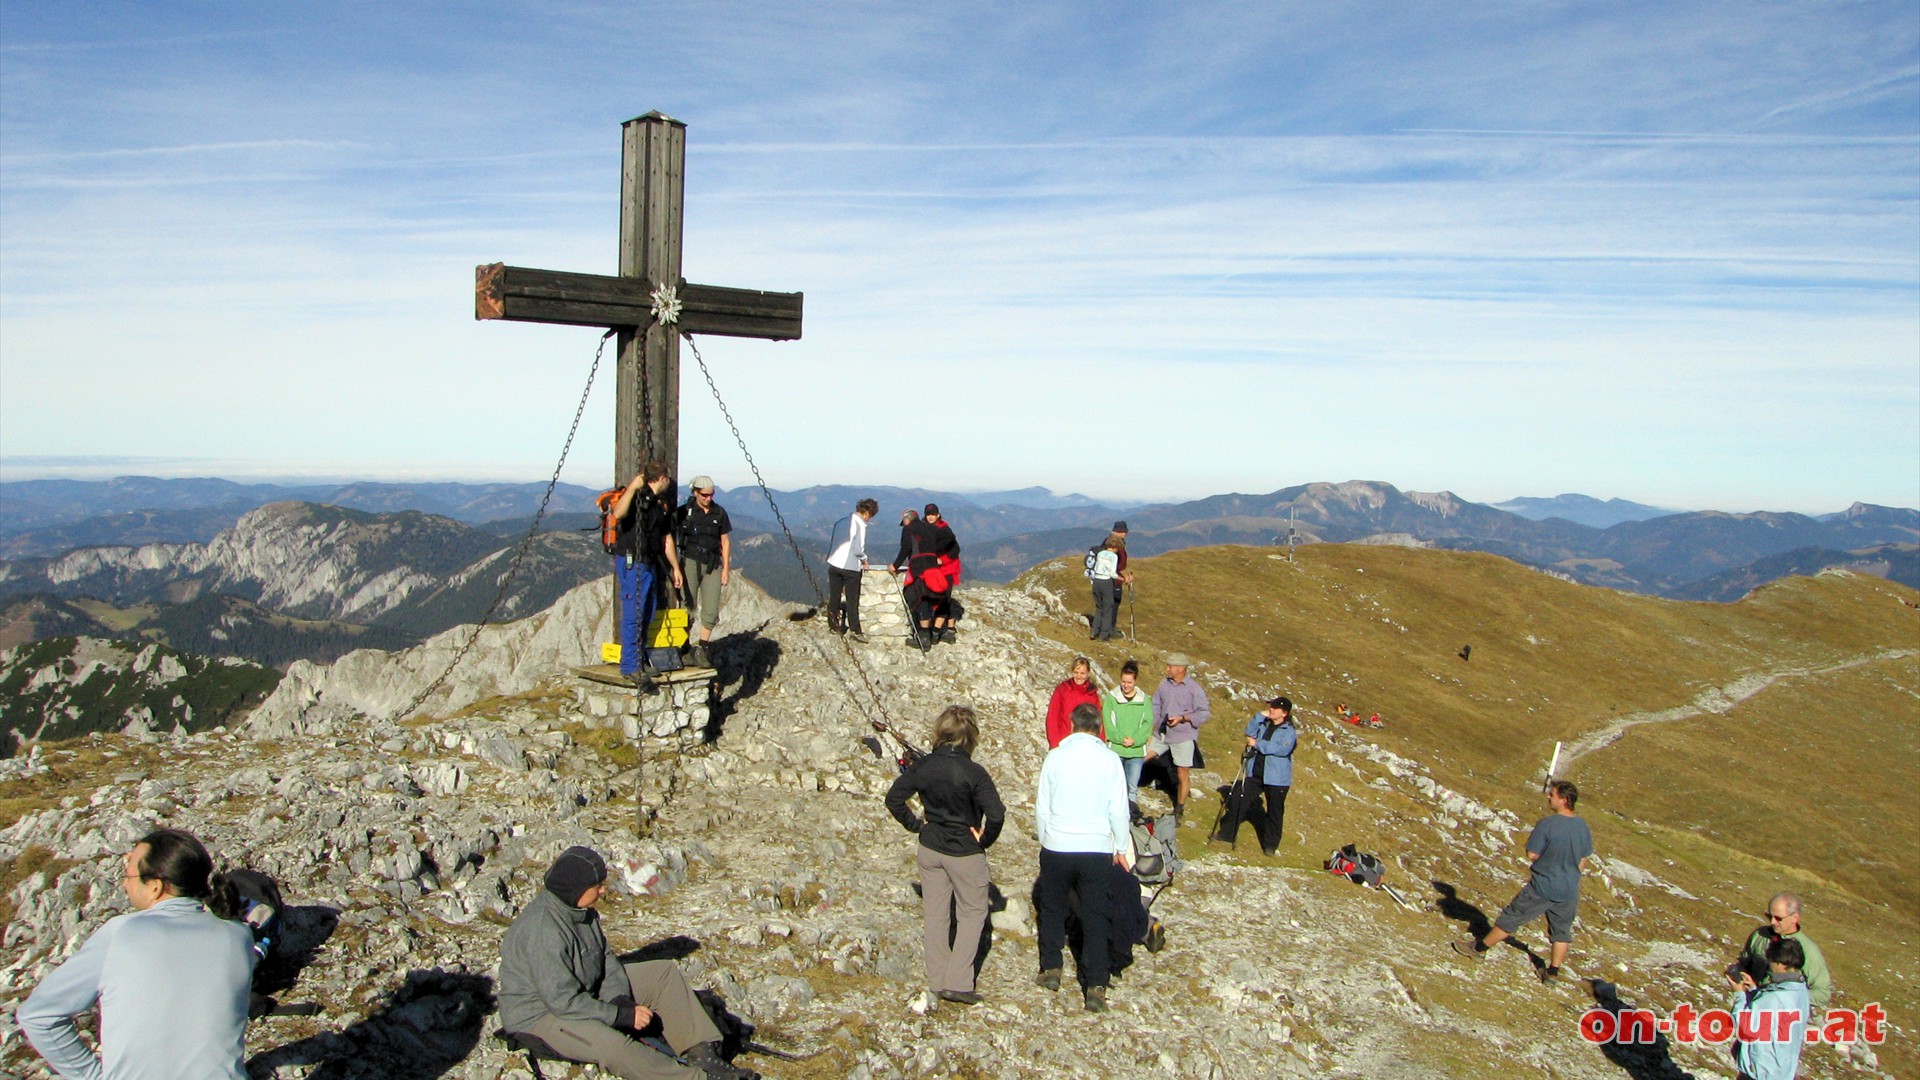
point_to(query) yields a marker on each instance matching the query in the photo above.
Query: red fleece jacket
(1066, 697)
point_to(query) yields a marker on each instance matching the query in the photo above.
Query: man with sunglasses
(1783, 921)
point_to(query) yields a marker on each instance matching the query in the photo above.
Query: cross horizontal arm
(517, 294)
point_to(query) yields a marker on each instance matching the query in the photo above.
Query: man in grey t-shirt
(1558, 846)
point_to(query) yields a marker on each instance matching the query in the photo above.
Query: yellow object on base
(668, 630)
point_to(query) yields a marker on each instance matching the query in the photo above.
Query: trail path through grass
(1716, 700)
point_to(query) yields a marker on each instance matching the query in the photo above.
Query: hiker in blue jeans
(645, 542)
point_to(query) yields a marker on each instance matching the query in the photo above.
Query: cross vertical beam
(653, 157)
(653, 154)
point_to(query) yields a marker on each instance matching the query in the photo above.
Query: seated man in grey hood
(561, 983)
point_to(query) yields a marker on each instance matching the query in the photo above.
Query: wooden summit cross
(642, 301)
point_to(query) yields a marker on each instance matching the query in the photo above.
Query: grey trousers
(1106, 609)
(658, 985)
(953, 892)
(703, 593)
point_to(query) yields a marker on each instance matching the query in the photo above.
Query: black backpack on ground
(1356, 866)
(260, 908)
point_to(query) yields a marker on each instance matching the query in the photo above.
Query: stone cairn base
(882, 613)
(666, 726)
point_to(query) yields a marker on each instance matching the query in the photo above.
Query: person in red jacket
(1076, 689)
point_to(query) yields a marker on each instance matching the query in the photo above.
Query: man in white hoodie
(1080, 814)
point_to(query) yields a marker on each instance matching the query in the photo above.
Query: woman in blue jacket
(1272, 735)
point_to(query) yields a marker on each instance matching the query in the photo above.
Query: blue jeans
(636, 608)
(1132, 766)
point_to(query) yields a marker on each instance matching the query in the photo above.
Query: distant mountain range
(159, 559)
(292, 580)
(47, 517)
(1582, 510)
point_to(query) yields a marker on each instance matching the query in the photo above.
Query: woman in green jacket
(1126, 712)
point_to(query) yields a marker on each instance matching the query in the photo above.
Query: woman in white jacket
(844, 565)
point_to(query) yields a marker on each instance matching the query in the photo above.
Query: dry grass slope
(1738, 749)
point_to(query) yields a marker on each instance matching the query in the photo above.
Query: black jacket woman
(961, 816)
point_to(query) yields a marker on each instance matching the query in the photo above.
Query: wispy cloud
(110, 153)
(1730, 138)
(1895, 88)
(139, 44)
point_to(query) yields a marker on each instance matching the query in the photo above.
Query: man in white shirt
(844, 564)
(1080, 813)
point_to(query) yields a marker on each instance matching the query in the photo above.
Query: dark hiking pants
(1088, 875)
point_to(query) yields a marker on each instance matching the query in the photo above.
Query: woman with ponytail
(170, 977)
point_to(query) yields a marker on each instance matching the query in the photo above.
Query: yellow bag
(668, 630)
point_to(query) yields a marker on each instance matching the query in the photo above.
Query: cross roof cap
(656, 114)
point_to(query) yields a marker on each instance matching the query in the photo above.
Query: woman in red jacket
(1076, 689)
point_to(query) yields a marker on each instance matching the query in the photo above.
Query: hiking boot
(857, 636)
(642, 679)
(1548, 974)
(706, 1057)
(698, 656)
(949, 636)
(1049, 979)
(1156, 937)
(1096, 999)
(960, 997)
(1469, 948)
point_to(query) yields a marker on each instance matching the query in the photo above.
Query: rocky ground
(765, 859)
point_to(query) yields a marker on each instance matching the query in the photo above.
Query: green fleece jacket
(1125, 719)
(1819, 982)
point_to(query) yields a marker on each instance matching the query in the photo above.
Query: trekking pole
(1133, 626)
(913, 624)
(1551, 766)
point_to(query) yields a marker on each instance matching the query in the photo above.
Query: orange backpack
(609, 525)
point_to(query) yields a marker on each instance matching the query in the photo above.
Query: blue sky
(1669, 252)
